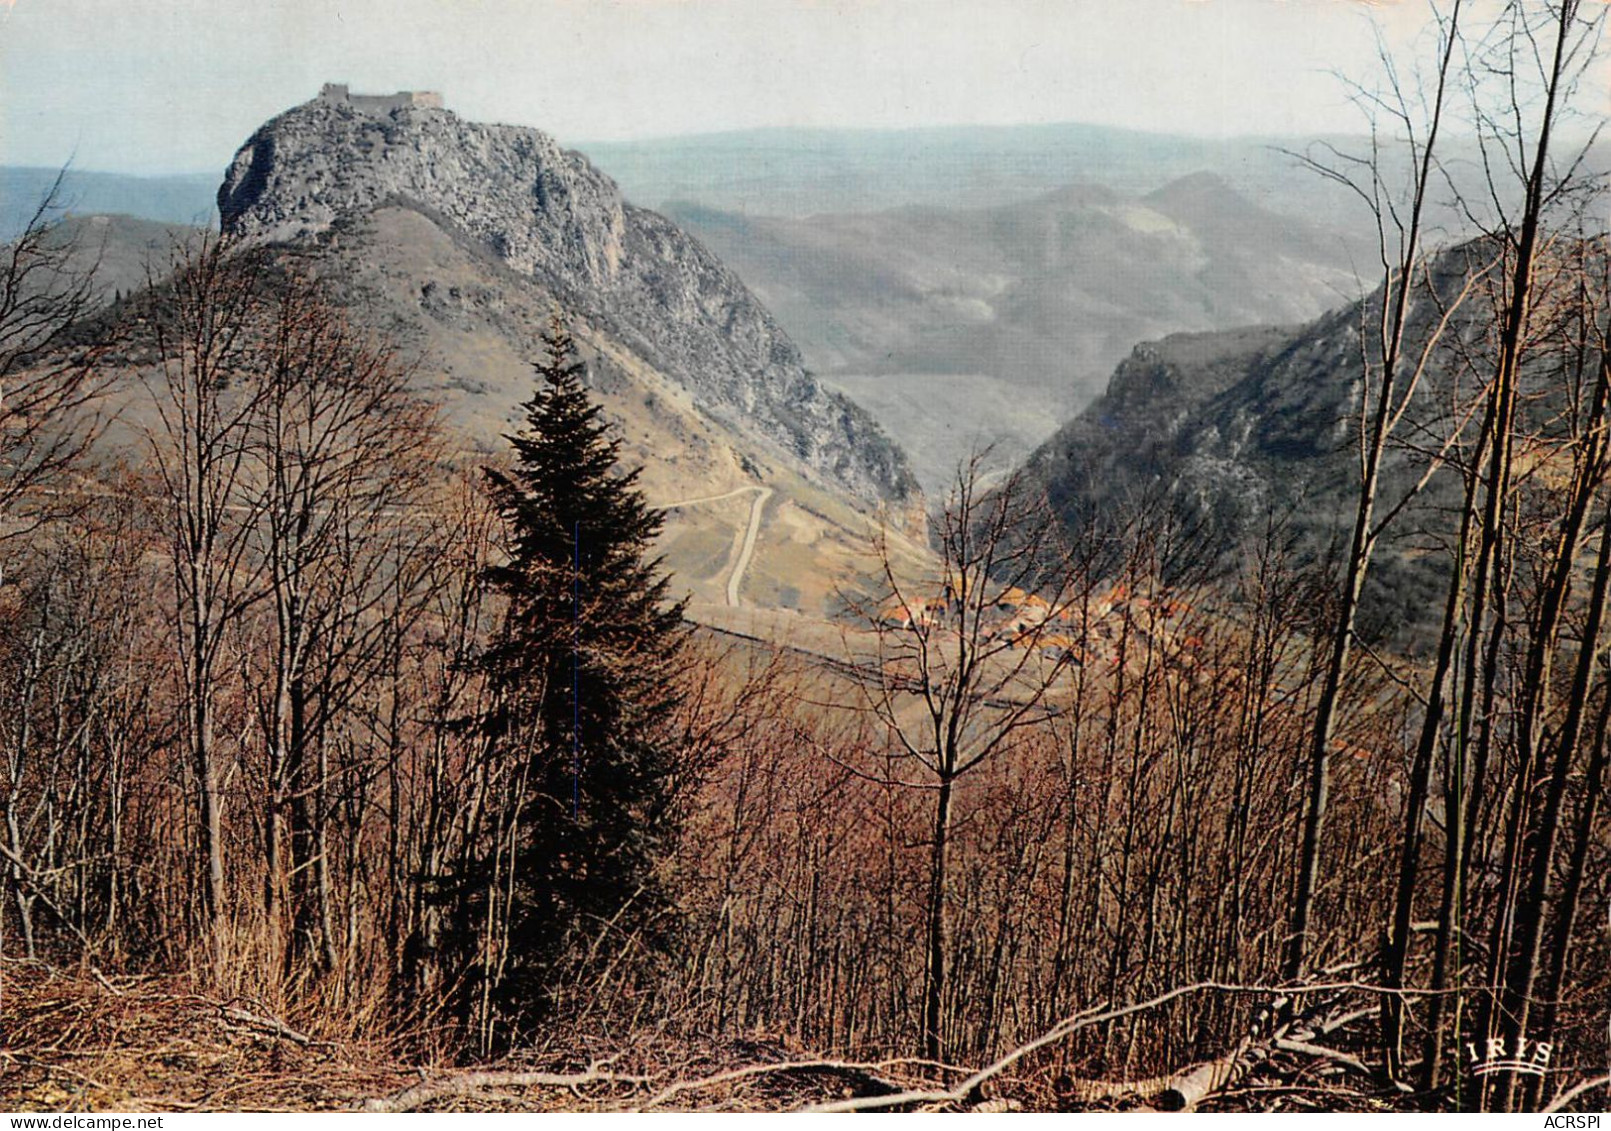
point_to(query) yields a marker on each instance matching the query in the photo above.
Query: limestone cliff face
(1241, 435)
(548, 214)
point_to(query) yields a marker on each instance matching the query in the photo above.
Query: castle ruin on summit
(337, 92)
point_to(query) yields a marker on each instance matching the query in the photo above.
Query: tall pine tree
(582, 677)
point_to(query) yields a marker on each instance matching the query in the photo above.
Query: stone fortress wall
(380, 103)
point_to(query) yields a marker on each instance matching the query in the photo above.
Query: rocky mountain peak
(548, 214)
(541, 208)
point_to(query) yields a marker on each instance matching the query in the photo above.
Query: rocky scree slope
(547, 214)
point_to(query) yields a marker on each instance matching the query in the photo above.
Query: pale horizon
(77, 166)
(115, 88)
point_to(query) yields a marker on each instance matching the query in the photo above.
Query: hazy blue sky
(177, 85)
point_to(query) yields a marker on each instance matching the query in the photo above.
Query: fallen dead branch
(1320, 1052)
(1573, 1093)
(270, 1025)
(863, 1075)
(106, 985)
(470, 1083)
(1086, 1090)
(1194, 1085)
(1181, 1091)
(1171, 1091)
(970, 1085)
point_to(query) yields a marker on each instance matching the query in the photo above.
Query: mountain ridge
(181, 198)
(549, 215)
(1029, 303)
(1237, 434)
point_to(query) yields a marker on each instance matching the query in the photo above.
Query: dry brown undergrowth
(78, 1041)
(75, 1040)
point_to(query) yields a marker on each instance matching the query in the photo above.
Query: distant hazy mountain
(799, 172)
(181, 199)
(997, 324)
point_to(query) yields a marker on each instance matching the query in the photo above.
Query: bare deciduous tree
(966, 663)
(50, 376)
(206, 322)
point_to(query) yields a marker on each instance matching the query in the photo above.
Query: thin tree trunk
(1420, 787)
(938, 938)
(1572, 887)
(1532, 908)
(1362, 541)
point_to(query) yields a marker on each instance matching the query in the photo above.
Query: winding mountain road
(747, 550)
(742, 562)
